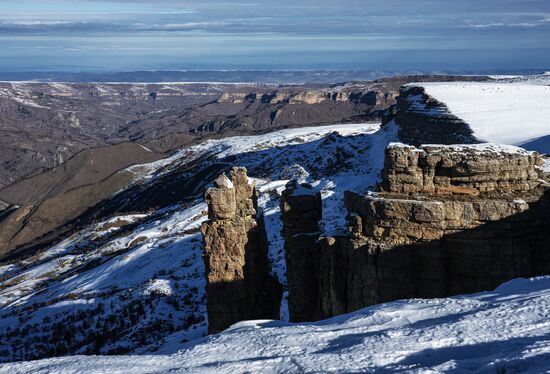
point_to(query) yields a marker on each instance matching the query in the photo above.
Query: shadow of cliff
(498, 356)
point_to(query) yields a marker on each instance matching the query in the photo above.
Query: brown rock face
(239, 286)
(466, 170)
(430, 242)
(301, 210)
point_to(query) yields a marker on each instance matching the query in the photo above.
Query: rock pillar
(239, 286)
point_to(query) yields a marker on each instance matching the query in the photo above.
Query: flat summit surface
(509, 113)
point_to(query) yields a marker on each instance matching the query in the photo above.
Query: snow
(30, 103)
(509, 113)
(478, 148)
(156, 266)
(155, 259)
(223, 148)
(503, 331)
(159, 286)
(312, 154)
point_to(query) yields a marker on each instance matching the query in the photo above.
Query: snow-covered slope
(124, 284)
(511, 113)
(504, 331)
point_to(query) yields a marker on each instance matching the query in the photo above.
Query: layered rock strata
(239, 286)
(464, 169)
(449, 223)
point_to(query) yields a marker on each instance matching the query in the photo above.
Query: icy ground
(503, 331)
(123, 285)
(514, 112)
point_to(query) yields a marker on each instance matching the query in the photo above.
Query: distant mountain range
(239, 76)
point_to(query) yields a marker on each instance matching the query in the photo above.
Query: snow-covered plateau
(503, 331)
(513, 112)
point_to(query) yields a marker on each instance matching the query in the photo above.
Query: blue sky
(90, 35)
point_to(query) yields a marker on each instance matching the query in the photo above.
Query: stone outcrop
(239, 286)
(372, 95)
(301, 211)
(422, 237)
(465, 169)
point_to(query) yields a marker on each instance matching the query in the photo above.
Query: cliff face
(446, 223)
(301, 210)
(371, 94)
(260, 108)
(471, 170)
(239, 286)
(424, 120)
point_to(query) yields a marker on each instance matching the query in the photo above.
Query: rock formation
(445, 223)
(301, 210)
(239, 286)
(465, 169)
(424, 120)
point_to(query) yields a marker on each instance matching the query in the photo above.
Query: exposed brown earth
(47, 201)
(161, 117)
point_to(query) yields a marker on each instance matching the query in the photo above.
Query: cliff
(445, 221)
(425, 120)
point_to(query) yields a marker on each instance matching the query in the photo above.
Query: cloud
(282, 30)
(508, 24)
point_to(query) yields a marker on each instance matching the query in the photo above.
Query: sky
(126, 35)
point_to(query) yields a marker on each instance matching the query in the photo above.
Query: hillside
(111, 269)
(125, 274)
(503, 331)
(45, 124)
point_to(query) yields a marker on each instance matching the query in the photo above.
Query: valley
(103, 253)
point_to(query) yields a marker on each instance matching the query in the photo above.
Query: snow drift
(504, 331)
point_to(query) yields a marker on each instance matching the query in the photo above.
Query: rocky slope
(134, 262)
(163, 117)
(45, 124)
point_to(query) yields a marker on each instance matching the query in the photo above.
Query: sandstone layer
(239, 286)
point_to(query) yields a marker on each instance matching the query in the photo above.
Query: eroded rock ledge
(239, 286)
(446, 221)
